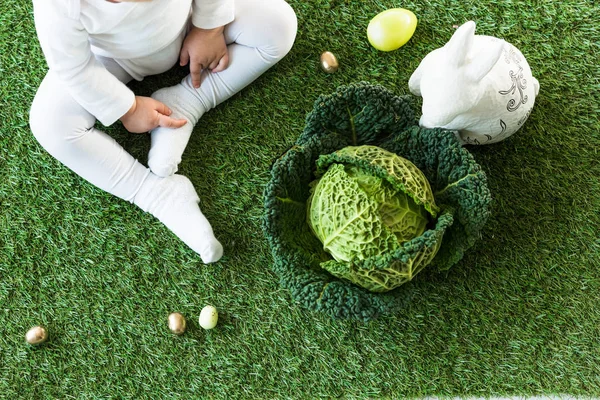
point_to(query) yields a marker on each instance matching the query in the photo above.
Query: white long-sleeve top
(72, 31)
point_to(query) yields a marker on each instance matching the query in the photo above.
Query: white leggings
(261, 34)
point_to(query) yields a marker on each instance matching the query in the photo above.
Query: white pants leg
(262, 33)
(66, 130)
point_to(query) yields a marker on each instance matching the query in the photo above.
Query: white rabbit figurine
(478, 85)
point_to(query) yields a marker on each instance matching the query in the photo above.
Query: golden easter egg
(329, 62)
(391, 29)
(177, 323)
(36, 335)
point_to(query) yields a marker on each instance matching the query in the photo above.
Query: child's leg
(261, 34)
(67, 132)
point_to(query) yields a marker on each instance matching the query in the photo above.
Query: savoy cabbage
(359, 213)
(357, 115)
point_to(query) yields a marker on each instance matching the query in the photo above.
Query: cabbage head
(357, 214)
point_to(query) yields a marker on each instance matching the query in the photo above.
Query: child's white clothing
(86, 80)
(71, 32)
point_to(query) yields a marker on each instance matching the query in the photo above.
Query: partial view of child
(94, 47)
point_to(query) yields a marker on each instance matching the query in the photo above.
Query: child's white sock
(168, 144)
(174, 201)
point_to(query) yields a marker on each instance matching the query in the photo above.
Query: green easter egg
(391, 29)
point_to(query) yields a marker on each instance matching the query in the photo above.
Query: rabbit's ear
(483, 62)
(460, 43)
(414, 83)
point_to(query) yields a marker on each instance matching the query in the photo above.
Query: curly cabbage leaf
(397, 210)
(391, 270)
(357, 216)
(402, 174)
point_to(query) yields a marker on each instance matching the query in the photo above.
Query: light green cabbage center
(357, 215)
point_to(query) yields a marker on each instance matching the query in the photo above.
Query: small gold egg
(36, 335)
(329, 62)
(177, 323)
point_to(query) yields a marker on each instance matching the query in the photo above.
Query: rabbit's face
(446, 90)
(441, 109)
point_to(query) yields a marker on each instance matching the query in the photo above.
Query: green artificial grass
(520, 315)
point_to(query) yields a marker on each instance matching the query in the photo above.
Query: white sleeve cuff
(209, 14)
(121, 103)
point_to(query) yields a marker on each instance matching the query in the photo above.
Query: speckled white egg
(208, 317)
(36, 335)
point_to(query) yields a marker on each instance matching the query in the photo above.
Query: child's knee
(39, 123)
(287, 28)
(54, 130)
(282, 28)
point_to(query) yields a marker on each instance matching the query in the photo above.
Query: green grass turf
(519, 315)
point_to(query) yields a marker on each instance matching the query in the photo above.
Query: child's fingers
(184, 57)
(213, 65)
(168, 122)
(161, 108)
(195, 71)
(223, 63)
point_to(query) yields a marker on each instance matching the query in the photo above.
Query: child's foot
(174, 201)
(168, 144)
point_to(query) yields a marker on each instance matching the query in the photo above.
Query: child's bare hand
(147, 114)
(204, 49)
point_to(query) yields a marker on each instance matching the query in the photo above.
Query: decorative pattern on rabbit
(480, 86)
